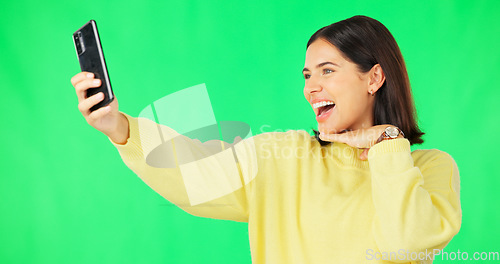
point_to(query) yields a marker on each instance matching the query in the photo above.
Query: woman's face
(338, 85)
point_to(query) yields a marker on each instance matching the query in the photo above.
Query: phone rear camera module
(80, 45)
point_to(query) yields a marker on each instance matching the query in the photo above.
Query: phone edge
(103, 61)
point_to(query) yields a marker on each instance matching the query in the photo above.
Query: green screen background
(65, 194)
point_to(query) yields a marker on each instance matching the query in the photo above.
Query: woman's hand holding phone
(106, 119)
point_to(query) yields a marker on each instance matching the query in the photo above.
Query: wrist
(391, 132)
(120, 133)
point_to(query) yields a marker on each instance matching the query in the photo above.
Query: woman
(364, 198)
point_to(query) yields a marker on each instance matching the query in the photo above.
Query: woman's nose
(312, 86)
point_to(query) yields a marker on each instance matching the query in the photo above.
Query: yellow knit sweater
(305, 203)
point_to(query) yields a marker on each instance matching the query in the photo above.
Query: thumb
(364, 154)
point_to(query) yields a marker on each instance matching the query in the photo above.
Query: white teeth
(322, 103)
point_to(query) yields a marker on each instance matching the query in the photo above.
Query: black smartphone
(89, 52)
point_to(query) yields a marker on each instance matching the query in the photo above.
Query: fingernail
(100, 95)
(90, 75)
(96, 81)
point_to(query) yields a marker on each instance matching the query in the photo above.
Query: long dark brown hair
(366, 42)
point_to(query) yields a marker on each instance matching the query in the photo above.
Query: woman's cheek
(340, 119)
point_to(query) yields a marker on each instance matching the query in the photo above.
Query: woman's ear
(376, 78)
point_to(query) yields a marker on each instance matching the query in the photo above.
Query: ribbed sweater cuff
(391, 145)
(390, 156)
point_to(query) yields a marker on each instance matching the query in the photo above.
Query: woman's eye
(326, 71)
(307, 76)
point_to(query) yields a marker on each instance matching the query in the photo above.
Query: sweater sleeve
(417, 208)
(190, 174)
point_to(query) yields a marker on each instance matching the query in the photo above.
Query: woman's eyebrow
(322, 64)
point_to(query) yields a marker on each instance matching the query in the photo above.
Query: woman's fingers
(364, 154)
(81, 76)
(343, 138)
(82, 82)
(85, 105)
(97, 115)
(359, 138)
(82, 87)
(351, 138)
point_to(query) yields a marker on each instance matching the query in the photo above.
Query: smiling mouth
(324, 109)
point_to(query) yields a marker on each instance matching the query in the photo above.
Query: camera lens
(80, 45)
